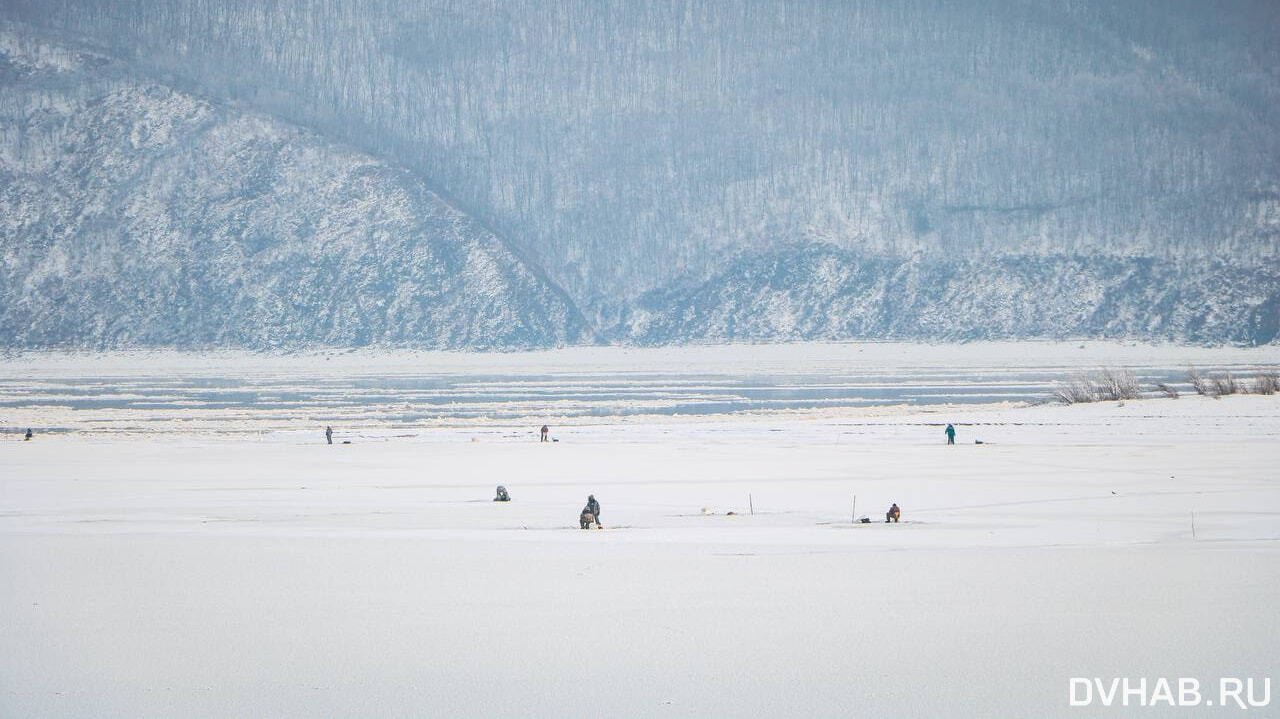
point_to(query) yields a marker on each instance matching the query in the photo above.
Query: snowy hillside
(134, 214)
(812, 291)
(450, 174)
(624, 143)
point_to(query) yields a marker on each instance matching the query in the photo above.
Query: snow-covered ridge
(132, 214)
(814, 291)
(624, 144)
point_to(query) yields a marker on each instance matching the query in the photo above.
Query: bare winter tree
(1266, 382)
(1225, 384)
(1198, 381)
(1076, 389)
(1105, 385)
(1116, 384)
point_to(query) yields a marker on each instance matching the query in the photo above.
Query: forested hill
(512, 173)
(132, 214)
(624, 144)
(821, 292)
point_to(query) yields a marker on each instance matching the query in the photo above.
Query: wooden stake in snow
(751, 504)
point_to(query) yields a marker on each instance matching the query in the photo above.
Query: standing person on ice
(545, 431)
(328, 434)
(951, 434)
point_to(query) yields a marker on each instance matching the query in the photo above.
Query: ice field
(218, 559)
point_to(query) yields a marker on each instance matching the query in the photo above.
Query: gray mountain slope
(820, 292)
(625, 144)
(136, 214)
(132, 214)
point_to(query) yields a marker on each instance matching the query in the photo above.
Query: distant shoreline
(781, 357)
(385, 394)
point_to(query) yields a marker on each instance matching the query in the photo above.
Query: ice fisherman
(545, 432)
(502, 495)
(27, 437)
(951, 434)
(590, 513)
(328, 434)
(893, 514)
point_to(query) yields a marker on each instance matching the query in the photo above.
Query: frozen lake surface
(415, 400)
(229, 392)
(222, 563)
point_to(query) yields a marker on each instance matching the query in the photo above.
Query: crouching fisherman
(893, 514)
(502, 495)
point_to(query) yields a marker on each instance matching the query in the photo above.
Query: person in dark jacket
(893, 514)
(593, 509)
(951, 434)
(328, 434)
(502, 495)
(27, 436)
(546, 431)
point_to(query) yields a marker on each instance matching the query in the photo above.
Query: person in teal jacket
(951, 434)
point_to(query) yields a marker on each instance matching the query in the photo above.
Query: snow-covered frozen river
(201, 570)
(451, 397)
(152, 392)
